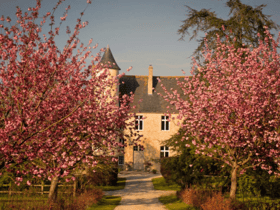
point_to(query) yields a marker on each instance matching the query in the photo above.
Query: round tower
(109, 61)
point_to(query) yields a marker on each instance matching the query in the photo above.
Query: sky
(139, 32)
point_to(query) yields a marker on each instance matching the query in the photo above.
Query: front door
(138, 158)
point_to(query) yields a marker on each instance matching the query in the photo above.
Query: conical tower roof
(108, 59)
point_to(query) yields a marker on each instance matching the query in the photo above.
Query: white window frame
(138, 121)
(165, 151)
(121, 159)
(137, 148)
(164, 120)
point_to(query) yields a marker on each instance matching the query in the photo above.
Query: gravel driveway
(139, 193)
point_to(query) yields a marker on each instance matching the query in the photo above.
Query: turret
(109, 62)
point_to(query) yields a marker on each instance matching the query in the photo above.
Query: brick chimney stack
(150, 81)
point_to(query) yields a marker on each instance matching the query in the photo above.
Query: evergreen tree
(244, 24)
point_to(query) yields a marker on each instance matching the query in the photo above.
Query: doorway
(138, 158)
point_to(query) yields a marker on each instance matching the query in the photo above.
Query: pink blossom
(129, 69)
(229, 111)
(53, 93)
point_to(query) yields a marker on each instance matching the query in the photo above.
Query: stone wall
(152, 138)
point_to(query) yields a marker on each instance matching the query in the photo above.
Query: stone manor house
(155, 128)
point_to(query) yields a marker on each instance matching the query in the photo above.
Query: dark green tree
(188, 168)
(244, 24)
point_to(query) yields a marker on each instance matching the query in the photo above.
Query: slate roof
(151, 103)
(108, 59)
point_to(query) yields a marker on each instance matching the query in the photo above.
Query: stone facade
(154, 126)
(153, 135)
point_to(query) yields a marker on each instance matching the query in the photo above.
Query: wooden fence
(42, 186)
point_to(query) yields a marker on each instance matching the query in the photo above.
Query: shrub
(64, 202)
(104, 174)
(187, 168)
(84, 200)
(217, 202)
(154, 171)
(89, 197)
(184, 169)
(258, 183)
(238, 205)
(194, 197)
(165, 168)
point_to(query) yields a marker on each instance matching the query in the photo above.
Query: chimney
(150, 81)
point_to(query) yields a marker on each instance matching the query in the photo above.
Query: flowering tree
(52, 116)
(233, 106)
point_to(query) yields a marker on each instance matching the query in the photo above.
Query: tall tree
(52, 116)
(244, 23)
(232, 109)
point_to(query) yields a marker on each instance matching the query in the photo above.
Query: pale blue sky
(139, 32)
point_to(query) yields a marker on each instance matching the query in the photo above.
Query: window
(122, 142)
(164, 123)
(121, 160)
(139, 123)
(164, 151)
(138, 148)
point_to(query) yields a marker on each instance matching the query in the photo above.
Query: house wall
(152, 138)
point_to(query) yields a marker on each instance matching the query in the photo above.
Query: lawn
(20, 197)
(106, 203)
(173, 203)
(23, 201)
(109, 202)
(120, 185)
(160, 184)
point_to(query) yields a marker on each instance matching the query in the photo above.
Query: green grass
(120, 185)
(106, 203)
(109, 202)
(23, 197)
(173, 203)
(252, 199)
(160, 184)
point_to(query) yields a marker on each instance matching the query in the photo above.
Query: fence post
(42, 187)
(75, 184)
(10, 189)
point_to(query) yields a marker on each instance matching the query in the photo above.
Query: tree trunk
(53, 190)
(233, 183)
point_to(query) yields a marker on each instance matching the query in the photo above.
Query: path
(139, 193)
